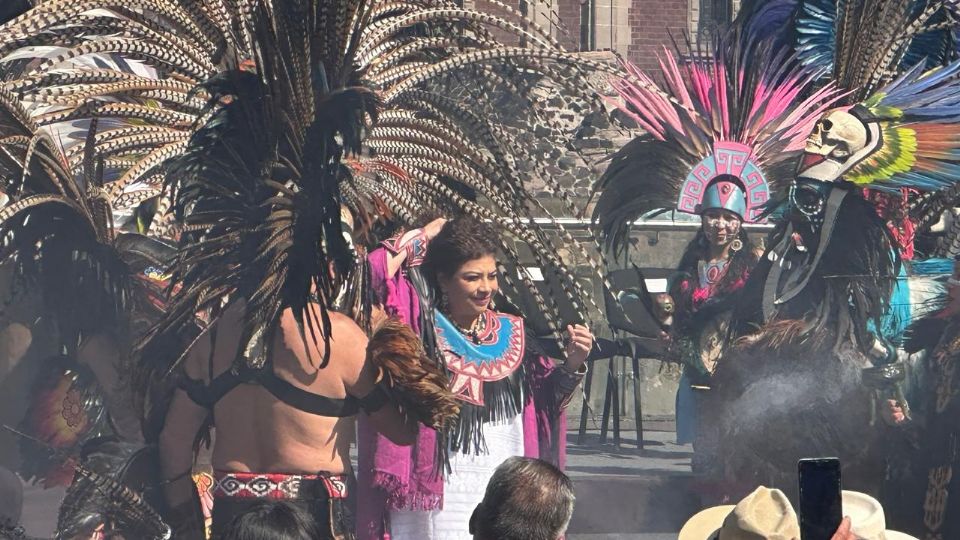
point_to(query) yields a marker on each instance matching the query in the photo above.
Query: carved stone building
(635, 29)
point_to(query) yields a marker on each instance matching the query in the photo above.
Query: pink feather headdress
(744, 110)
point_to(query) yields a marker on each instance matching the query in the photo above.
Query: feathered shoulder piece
(416, 383)
(738, 112)
(906, 135)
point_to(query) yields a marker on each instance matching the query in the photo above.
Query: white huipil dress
(463, 488)
(501, 352)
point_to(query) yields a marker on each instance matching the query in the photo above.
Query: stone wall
(572, 137)
(560, 17)
(569, 13)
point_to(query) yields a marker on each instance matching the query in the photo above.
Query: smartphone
(821, 505)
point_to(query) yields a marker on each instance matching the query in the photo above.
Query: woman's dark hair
(272, 520)
(460, 240)
(741, 262)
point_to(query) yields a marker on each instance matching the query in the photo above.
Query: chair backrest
(629, 304)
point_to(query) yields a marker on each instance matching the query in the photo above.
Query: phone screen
(821, 505)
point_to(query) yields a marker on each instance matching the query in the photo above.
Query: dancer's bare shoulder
(348, 346)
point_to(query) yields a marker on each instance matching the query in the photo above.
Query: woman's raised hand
(432, 229)
(579, 345)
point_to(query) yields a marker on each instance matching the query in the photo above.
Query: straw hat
(11, 498)
(867, 519)
(765, 514)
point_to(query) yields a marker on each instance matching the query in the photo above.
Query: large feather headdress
(59, 236)
(432, 64)
(906, 135)
(740, 112)
(860, 45)
(134, 68)
(256, 187)
(443, 143)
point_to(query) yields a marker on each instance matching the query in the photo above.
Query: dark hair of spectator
(272, 520)
(461, 239)
(526, 499)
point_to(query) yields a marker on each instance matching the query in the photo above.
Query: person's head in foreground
(766, 514)
(526, 499)
(272, 520)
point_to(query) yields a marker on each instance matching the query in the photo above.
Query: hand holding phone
(844, 532)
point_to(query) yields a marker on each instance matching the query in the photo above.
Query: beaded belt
(278, 486)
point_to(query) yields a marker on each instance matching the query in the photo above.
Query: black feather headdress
(58, 235)
(256, 189)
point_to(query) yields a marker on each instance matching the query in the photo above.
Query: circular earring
(444, 301)
(736, 245)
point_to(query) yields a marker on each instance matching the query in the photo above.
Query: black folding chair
(628, 312)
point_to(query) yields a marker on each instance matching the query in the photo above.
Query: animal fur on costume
(790, 387)
(416, 383)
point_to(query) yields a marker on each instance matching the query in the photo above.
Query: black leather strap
(208, 395)
(309, 402)
(376, 399)
(196, 391)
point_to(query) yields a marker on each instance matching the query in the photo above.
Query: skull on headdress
(841, 139)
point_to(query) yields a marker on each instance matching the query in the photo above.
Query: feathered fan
(113, 493)
(134, 66)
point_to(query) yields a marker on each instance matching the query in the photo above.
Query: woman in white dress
(512, 397)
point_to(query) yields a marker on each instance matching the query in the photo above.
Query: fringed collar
(497, 355)
(488, 377)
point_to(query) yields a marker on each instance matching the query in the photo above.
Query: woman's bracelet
(580, 371)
